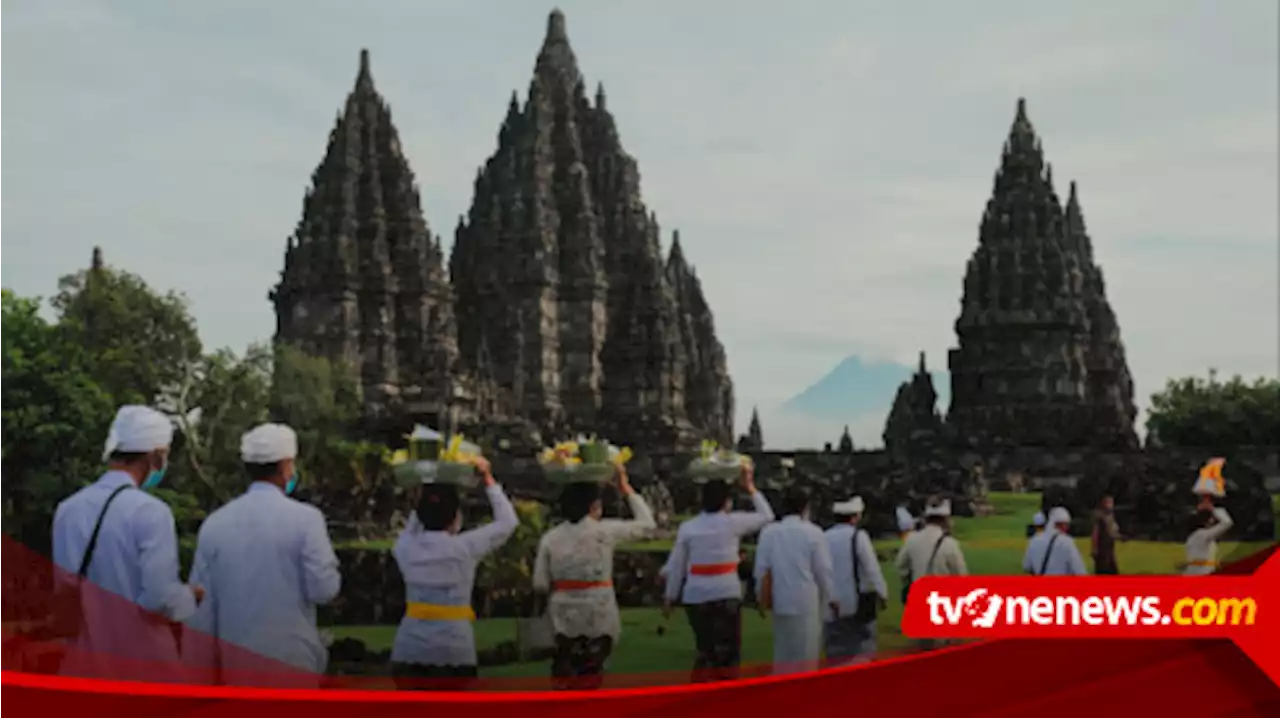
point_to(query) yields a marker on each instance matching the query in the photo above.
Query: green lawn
(992, 545)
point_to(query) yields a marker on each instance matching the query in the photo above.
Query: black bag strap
(856, 588)
(1048, 552)
(97, 528)
(928, 569)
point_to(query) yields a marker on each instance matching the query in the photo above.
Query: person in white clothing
(438, 562)
(931, 551)
(1202, 544)
(906, 522)
(123, 542)
(267, 562)
(702, 573)
(1054, 553)
(1038, 522)
(859, 584)
(793, 566)
(574, 564)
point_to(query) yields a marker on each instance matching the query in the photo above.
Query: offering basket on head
(583, 461)
(432, 460)
(1210, 485)
(716, 464)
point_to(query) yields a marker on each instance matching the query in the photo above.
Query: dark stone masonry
(558, 312)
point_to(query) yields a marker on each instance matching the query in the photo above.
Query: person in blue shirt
(266, 561)
(134, 563)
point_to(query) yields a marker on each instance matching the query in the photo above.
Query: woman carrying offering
(703, 571)
(574, 565)
(434, 646)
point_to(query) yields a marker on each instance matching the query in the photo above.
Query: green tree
(1215, 415)
(509, 570)
(55, 419)
(141, 342)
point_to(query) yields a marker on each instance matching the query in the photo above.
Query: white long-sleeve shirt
(1202, 545)
(583, 552)
(794, 553)
(439, 568)
(265, 562)
(135, 562)
(914, 557)
(1064, 557)
(840, 544)
(712, 539)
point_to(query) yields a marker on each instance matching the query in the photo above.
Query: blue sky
(825, 161)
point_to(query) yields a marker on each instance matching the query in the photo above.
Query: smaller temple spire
(846, 441)
(96, 262)
(600, 98)
(1022, 110)
(922, 369)
(556, 31)
(365, 77)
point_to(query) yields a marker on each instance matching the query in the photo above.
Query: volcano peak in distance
(856, 390)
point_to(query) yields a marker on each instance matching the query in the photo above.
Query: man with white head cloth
(124, 542)
(859, 584)
(1053, 553)
(267, 562)
(931, 551)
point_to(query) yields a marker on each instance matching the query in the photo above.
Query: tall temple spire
(363, 281)
(95, 263)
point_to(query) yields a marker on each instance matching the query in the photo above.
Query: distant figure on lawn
(703, 574)
(435, 647)
(1106, 532)
(1053, 553)
(1202, 545)
(574, 565)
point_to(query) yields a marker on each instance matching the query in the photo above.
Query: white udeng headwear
(1059, 515)
(1038, 519)
(905, 520)
(850, 507)
(138, 429)
(268, 443)
(942, 509)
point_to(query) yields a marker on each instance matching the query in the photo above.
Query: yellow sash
(432, 612)
(1202, 563)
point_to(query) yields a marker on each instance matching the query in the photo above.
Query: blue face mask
(153, 479)
(293, 484)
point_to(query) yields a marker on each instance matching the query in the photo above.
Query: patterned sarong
(717, 630)
(578, 663)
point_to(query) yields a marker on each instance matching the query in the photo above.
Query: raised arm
(867, 557)
(542, 567)
(745, 523)
(322, 580)
(677, 566)
(640, 524)
(486, 539)
(157, 540)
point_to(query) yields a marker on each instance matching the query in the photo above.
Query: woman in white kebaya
(434, 645)
(1202, 544)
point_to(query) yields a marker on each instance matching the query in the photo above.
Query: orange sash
(579, 585)
(713, 569)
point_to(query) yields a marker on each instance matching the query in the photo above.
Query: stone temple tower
(1039, 360)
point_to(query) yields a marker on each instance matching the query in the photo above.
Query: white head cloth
(138, 429)
(942, 509)
(1059, 515)
(905, 521)
(268, 443)
(1038, 519)
(850, 507)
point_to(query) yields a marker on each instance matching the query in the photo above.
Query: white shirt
(439, 568)
(841, 547)
(136, 560)
(583, 551)
(1064, 557)
(1202, 545)
(265, 563)
(709, 539)
(794, 553)
(913, 558)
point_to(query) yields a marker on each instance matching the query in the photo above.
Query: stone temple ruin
(557, 313)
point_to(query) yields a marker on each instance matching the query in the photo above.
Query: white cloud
(827, 162)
